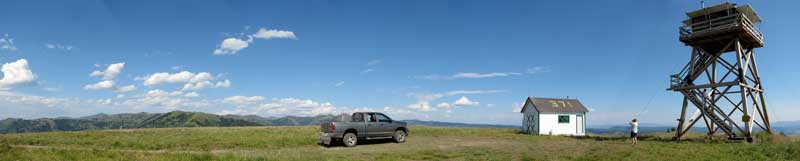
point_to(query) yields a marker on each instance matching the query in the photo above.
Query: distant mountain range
(200, 119)
(180, 119)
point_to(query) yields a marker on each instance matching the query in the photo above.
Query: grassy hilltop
(424, 143)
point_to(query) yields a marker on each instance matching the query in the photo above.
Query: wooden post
(679, 131)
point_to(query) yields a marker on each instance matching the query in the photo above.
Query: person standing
(634, 131)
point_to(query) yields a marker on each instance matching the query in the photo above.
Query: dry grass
(424, 143)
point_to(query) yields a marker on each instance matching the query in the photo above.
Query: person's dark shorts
(634, 135)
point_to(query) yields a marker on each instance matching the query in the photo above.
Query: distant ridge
(180, 119)
(199, 119)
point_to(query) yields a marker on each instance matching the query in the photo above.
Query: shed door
(579, 124)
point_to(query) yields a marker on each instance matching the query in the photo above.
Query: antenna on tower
(702, 4)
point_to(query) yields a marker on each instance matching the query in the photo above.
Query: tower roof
(746, 10)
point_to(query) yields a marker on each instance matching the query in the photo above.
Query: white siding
(548, 124)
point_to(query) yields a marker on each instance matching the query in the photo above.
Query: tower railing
(720, 24)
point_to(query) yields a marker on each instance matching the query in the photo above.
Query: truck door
(373, 126)
(387, 127)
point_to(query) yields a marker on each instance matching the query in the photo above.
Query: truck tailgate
(328, 127)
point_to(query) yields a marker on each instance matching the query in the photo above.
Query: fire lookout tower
(721, 79)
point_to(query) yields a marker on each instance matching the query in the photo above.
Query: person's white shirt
(635, 127)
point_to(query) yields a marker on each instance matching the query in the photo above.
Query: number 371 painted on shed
(563, 103)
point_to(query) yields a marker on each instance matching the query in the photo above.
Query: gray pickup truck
(362, 126)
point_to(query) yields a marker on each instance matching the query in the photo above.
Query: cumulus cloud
(191, 81)
(243, 99)
(106, 84)
(111, 71)
(124, 89)
(464, 101)
(443, 105)
(168, 100)
(248, 105)
(274, 34)
(16, 73)
(422, 106)
(423, 100)
(231, 46)
(192, 94)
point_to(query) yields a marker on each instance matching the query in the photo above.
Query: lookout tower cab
(711, 27)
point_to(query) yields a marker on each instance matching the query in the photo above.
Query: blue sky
(460, 61)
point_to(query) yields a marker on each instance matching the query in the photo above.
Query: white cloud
(274, 34)
(192, 81)
(164, 78)
(231, 46)
(483, 75)
(461, 75)
(422, 106)
(59, 46)
(243, 99)
(206, 84)
(473, 75)
(7, 43)
(464, 101)
(435, 96)
(112, 71)
(30, 100)
(516, 107)
(534, 70)
(16, 73)
(295, 106)
(339, 84)
(192, 94)
(106, 84)
(223, 84)
(443, 105)
(423, 100)
(124, 89)
(167, 100)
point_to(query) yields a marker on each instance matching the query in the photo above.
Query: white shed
(554, 116)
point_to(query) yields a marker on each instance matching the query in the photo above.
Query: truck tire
(350, 140)
(399, 136)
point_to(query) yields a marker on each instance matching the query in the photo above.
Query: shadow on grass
(760, 137)
(338, 143)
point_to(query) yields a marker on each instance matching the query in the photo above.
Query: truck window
(357, 117)
(371, 118)
(383, 118)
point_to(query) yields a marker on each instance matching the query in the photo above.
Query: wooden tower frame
(721, 79)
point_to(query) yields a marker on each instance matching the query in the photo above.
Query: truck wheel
(350, 140)
(399, 136)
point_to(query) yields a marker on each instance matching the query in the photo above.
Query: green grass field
(424, 143)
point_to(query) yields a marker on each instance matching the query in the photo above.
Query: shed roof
(555, 105)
